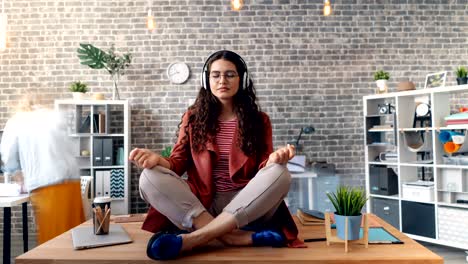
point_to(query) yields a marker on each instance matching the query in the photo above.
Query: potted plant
(348, 203)
(78, 90)
(114, 63)
(381, 77)
(461, 75)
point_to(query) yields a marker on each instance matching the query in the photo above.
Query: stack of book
(457, 119)
(310, 217)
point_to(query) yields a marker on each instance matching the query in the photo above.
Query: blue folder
(378, 235)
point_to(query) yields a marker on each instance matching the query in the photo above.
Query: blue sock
(268, 238)
(166, 246)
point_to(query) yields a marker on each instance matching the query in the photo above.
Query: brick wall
(308, 69)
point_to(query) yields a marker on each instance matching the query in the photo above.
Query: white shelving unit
(101, 133)
(444, 218)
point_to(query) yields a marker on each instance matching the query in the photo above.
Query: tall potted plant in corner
(381, 77)
(114, 63)
(78, 90)
(461, 73)
(348, 203)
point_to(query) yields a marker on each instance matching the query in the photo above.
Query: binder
(97, 152)
(107, 152)
(106, 183)
(98, 186)
(102, 183)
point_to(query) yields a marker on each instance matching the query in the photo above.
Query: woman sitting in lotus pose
(236, 183)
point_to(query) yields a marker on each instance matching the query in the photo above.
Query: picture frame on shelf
(434, 80)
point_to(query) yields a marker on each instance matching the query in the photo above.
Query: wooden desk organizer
(332, 238)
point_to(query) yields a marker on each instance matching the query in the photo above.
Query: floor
(450, 255)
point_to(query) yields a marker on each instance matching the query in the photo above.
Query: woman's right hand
(144, 158)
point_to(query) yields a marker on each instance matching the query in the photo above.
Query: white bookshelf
(450, 180)
(108, 120)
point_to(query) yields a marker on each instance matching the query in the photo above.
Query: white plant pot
(78, 96)
(381, 86)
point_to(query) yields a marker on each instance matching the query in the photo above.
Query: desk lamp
(305, 130)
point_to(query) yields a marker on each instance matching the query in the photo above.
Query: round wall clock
(178, 72)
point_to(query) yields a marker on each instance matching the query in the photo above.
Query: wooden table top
(60, 250)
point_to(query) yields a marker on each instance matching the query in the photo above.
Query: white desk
(7, 202)
(306, 175)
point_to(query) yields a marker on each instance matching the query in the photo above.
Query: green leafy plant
(461, 72)
(96, 58)
(110, 60)
(348, 201)
(166, 152)
(78, 87)
(381, 75)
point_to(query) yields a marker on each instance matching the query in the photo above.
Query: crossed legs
(259, 199)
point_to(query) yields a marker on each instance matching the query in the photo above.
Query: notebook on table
(84, 237)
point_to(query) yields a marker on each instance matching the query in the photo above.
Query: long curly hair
(205, 111)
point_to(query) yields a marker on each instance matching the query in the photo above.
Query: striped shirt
(224, 137)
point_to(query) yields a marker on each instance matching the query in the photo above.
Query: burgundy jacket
(242, 168)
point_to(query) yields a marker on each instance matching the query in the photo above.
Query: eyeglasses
(229, 75)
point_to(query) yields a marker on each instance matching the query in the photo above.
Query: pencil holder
(101, 215)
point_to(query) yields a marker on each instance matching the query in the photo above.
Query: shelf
(465, 206)
(383, 115)
(90, 102)
(96, 135)
(383, 163)
(109, 167)
(381, 130)
(416, 201)
(412, 129)
(441, 190)
(406, 142)
(451, 166)
(391, 197)
(464, 127)
(107, 135)
(112, 119)
(446, 89)
(383, 144)
(417, 164)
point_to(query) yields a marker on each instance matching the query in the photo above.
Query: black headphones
(205, 80)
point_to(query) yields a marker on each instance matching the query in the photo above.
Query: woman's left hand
(282, 155)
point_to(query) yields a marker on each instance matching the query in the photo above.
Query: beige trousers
(258, 200)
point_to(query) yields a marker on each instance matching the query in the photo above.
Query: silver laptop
(84, 237)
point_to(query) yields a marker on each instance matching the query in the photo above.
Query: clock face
(178, 72)
(422, 109)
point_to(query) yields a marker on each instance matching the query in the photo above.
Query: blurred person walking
(35, 141)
